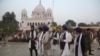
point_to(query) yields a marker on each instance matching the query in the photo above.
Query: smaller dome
(24, 11)
(49, 10)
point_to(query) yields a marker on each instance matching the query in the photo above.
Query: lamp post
(0, 34)
(0, 29)
(5, 39)
(8, 30)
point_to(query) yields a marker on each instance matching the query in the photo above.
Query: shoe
(91, 54)
(98, 48)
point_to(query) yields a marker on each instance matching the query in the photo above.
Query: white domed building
(40, 16)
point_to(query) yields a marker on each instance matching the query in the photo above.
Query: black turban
(40, 28)
(64, 27)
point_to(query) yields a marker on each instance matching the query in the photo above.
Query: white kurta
(30, 36)
(79, 46)
(66, 51)
(40, 44)
(45, 39)
(56, 38)
(55, 47)
(46, 36)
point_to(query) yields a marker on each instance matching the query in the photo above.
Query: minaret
(40, 2)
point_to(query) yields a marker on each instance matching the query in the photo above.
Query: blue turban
(45, 28)
(79, 30)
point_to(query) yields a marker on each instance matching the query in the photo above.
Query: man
(32, 41)
(0, 36)
(55, 41)
(89, 40)
(79, 43)
(64, 41)
(46, 41)
(40, 44)
(98, 33)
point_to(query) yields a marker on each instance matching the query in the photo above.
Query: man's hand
(62, 40)
(33, 39)
(37, 39)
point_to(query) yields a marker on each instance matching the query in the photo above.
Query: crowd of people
(46, 41)
(43, 39)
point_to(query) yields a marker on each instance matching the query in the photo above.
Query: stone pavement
(14, 49)
(95, 47)
(21, 49)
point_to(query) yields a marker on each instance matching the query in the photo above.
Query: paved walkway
(21, 49)
(95, 47)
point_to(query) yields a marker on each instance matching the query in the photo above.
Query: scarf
(79, 51)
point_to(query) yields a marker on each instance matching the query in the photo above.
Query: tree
(97, 23)
(70, 23)
(54, 24)
(1, 26)
(82, 24)
(9, 23)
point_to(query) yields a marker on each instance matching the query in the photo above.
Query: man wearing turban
(65, 39)
(79, 43)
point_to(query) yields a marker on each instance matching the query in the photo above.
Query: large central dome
(39, 8)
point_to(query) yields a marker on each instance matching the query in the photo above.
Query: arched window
(48, 23)
(38, 24)
(28, 24)
(20, 25)
(50, 15)
(35, 24)
(41, 24)
(22, 21)
(33, 13)
(38, 14)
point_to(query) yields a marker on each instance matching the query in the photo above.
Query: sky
(86, 11)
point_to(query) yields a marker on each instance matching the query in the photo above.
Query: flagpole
(53, 5)
(53, 8)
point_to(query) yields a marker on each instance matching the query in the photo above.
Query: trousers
(31, 54)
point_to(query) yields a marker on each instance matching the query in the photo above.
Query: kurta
(68, 38)
(40, 44)
(77, 46)
(32, 44)
(55, 43)
(46, 38)
(46, 43)
(80, 45)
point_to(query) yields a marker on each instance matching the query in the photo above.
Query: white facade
(40, 16)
